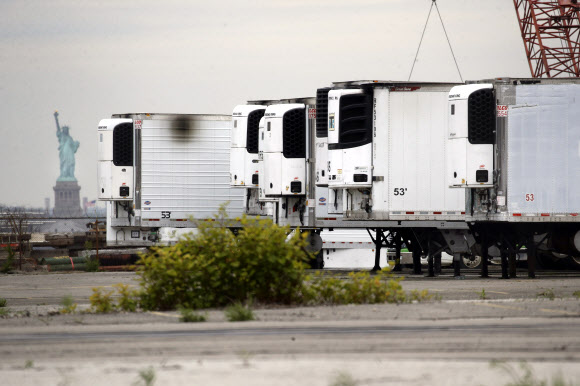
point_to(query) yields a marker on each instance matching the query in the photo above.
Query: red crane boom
(551, 33)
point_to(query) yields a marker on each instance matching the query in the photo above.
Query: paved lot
(447, 342)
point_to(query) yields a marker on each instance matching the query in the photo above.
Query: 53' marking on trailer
(529, 197)
(399, 191)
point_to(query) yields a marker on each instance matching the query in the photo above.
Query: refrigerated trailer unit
(158, 172)
(387, 153)
(245, 156)
(517, 152)
(280, 166)
(365, 155)
(385, 165)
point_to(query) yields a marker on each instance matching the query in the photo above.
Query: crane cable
(434, 2)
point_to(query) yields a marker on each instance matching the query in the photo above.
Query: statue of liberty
(66, 151)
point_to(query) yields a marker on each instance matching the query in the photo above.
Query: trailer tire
(318, 261)
(470, 261)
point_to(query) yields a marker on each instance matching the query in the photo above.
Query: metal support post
(378, 244)
(431, 268)
(512, 264)
(438, 263)
(484, 255)
(504, 264)
(417, 260)
(457, 264)
(97, 238)
(532, 251)
(398, 244)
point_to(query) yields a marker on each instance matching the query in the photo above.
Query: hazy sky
(91, 59)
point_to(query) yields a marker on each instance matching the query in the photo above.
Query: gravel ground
(449, 341)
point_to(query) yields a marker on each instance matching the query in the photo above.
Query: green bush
(128, 299)
(190, 316)
(3, 302)
(102, 300)
(215, 268)
(361, 287)
(9, 263)
(92, 264)
(239, 312)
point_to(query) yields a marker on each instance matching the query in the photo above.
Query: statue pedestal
(67, 201)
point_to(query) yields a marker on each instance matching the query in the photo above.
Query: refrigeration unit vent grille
(355, 123)
(294, 133)
(322, 112)
(123, 144)
(252, 134)
(481, 117)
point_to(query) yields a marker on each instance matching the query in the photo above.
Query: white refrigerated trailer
(517, 153)
(157, 172)
(385, 166)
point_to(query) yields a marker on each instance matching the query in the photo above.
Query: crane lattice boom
(551, 33)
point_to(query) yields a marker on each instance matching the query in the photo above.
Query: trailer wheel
(470, 261)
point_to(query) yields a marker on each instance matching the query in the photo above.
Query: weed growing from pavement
(419, 296)
(245, 356)
(68, 305)
(343, 378)
(190, 316)
(239, 312)
(146, 377)
(527, 377)
(128, 299)
(482, 295)
(576, 294)
(548, 294)
(3, 302)
(102, 300)
(28, 364)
